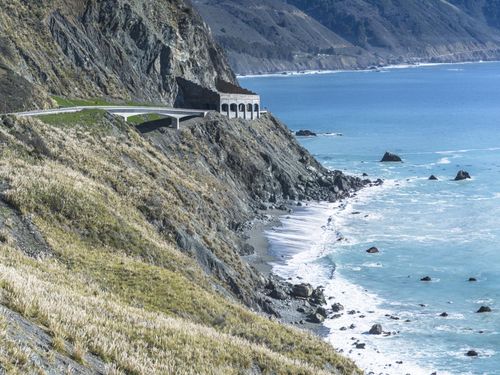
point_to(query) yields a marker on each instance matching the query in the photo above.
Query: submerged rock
(372, 250)
(376, 330)
(390, 157)
(305, 133)
(462, 175)
(484, 309)
(426, 278)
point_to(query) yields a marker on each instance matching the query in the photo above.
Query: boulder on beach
(376, 330)
(316, 318)
(462, 175)
(426, 278)
(390, 157)
(360, 346)
(484, 309)
(305, 133)
(372, 250)
(302, 290)
(433, 178)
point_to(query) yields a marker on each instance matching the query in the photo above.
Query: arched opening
(249, 107)
(225, 108)
(242, 107)
(256, 108)
(233, 107)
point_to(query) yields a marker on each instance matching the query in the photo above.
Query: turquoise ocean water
(439, 119)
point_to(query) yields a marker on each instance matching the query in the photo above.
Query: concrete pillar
(237, 111)
(176, 122)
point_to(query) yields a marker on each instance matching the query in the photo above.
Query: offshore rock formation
(119, 49)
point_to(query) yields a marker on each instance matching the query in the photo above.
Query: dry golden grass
(117, 287)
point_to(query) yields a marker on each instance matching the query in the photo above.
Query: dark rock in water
(316, 318)
(376, 330)
(471, 353)
(390, 157)
(336, 307)
(426, 278)
(433, 178)
(360, 346)
(305, 133)
(365, 174)
(462, 175)
(444, 314)
(472, 279)
(372, 250)
(302, 290)
(484, 309)
(318, 297)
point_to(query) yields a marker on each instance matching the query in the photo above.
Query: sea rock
(305, 133)
(390, 157)
(472, 279)
(360, 346)
(336, 307)
(484, 309)
(444, 314)
(372, 250)
(376, 330)
(316, 318)
(462, 175)
(433, 178)
(318, 297)
(426, 278)
(302, 290)
(471, 353)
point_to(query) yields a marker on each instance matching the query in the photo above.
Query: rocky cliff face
(339, 34)
(267, 36)
(125, 50)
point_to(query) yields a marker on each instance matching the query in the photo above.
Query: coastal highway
(124, 111)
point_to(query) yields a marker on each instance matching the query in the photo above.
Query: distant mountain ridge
(262, 36)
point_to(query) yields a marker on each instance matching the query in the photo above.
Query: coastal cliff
(269, 36)
(121, 50)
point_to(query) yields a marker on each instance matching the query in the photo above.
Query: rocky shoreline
(298, 304)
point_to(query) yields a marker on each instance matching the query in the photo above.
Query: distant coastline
(299, 73)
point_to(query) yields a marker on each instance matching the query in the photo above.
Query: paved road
(124, 111)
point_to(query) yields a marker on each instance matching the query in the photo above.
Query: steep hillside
(370, 32)
(408, 31)
(262, 36)
(120, 246)
(125, 50)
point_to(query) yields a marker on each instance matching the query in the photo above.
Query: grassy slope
(114, 286)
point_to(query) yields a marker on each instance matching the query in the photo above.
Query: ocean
(439, 119)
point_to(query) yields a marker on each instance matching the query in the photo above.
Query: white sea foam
(444, 161)
(302, 238)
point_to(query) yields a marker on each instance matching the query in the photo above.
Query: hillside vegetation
(82, 258)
